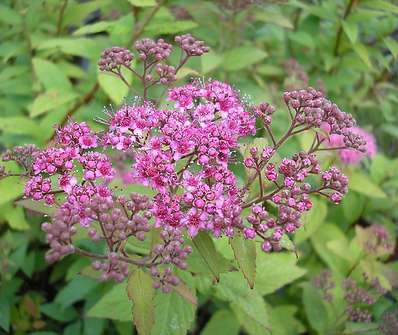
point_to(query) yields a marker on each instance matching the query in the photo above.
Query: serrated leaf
(215, 262)
(143, 3)
(314, 308)
(351, 30)
(15, 217)
(247, 304)
(50, 75)
(362, 52)
(19, 125)
(173, 314)
(10, 188)
(50, 100)
(75, 290)
(244, 56)
(222, 322)
(9, 15)
(93, 28)
(114, 305)
(276, 270)
(382, 5)
(245, 256)
(392, 45)
(210, 61)
(364, 185)
(140, 290)
(184, 291)
(170, 27)
(253, 316)
(114, 86)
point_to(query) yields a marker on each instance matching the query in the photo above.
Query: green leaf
(363, 184)
(244, 56)
(392, 45)
(19, 125)
(210, 61)
(114, 305)
(273, 16)
(75, 290)
(245, 255)
(253, 316)
(93, 28)
(140, 290)
(15, 217)
(170, 27)
(50, 75)
(10, 188)
(216, 263)
(362, 52)
(9, 16)
(56, 312)
(173, 314)
(321, 239)
(143, 3)
(314, 308)
(51, 100)
(382, 5)
(85, 47)
(311, 221)
(247, 304)
(283, 320)
(351, 30)
(114, 86)
(276, 270)
(222, 322)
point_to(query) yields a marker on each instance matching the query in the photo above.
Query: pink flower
(351, 156)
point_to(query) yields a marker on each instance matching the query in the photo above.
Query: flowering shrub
(49, 73)
(183, 152)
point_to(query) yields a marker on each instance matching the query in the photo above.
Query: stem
(61, 16)
(260, 181)
(271, 135)
(141, 28)
(340, 30)
(82, 252)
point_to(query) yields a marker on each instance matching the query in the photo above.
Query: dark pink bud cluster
(114, 58)
(191, 45)
(379, 239)
(96, 165)
(148, 48)
(54, 160)
(170, 252)
(264, 112)
(23, 155)
(325, 283)
(356, 296)
(60, 231)
(389, 322)
(166, 73)
(112, 268)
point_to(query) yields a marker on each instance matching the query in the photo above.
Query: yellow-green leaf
(140, 290)
(245, 256)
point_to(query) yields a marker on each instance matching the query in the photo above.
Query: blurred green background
(48, 73)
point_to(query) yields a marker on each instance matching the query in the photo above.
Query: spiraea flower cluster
(183, 152)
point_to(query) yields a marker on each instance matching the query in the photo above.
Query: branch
(340, 30)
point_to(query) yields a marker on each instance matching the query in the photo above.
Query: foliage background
(48, 73)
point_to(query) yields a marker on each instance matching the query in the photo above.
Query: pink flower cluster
(184, 153)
